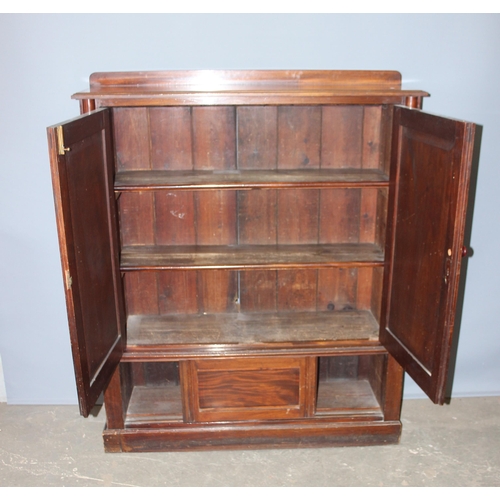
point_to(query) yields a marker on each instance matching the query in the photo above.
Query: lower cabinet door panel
(256, 388)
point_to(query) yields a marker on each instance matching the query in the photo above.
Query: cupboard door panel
(86, 219)
(431, 162)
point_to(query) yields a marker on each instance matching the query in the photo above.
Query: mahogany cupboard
(253, 258)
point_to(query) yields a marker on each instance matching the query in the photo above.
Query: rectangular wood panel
(252, 388)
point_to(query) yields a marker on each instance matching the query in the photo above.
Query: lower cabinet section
(252, 402)
(351, 386)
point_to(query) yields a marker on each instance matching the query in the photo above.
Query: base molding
(187, 437)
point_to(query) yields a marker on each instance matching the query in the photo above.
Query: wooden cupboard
(254, 258)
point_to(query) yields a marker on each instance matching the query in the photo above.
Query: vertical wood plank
(364, 288)
(337, 288)
(369, 217)
(297, 290)
(175, 218)
(393, 389)
(177, 292)
(171, 140)
(257, 225)
(376, 296)
(141, 293)
(257, 137)
(218, 291)
(214, 138)
(257, 217)
(113, 401)
(340, 216)
(298, 211)
(137, 218)
(131, 138)
(214, 147)
(258, 291)
(341, 141)
(381, 223)
(299, 137)
(216, 217)
(372, 138)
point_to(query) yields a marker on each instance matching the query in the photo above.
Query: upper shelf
(206, 87)
(190, 257)
(144, 180)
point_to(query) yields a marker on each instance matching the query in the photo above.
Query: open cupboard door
(82, 175)
(430, 171)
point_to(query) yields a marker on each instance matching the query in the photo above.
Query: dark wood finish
(431, 163)
(116, 398)
(135, 258)
(255, 435)
(274, 228)
(84, 200)
(156, 180)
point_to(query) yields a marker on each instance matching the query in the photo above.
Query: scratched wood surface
(248, 328)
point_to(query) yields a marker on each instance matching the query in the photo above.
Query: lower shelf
(247, 330)
(348, 397)
(154, 405)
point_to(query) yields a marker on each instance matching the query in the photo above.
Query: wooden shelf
(154, 404)
(140, 258)
(347, 396)
(250, 329)
(154, 180)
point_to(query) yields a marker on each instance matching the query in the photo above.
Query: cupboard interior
(302, 238)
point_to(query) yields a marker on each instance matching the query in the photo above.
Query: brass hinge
(60, 142)
(68, 279)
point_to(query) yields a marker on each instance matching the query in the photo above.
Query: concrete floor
(454, 445)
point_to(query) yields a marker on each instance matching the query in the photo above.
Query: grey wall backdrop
(45, 58)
